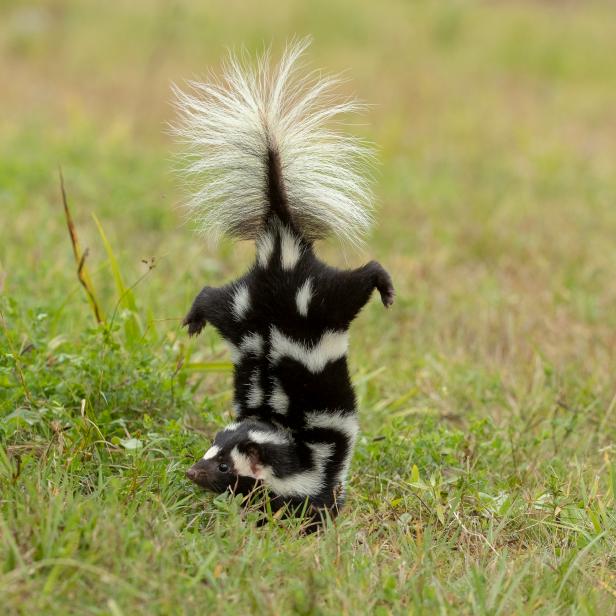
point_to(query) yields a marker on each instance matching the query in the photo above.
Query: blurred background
(495, 124)
(484, 479)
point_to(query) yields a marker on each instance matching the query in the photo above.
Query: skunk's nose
(191, 473)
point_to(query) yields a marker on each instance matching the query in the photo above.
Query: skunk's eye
(223, 468)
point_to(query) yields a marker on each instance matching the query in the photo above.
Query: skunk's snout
(198, 473)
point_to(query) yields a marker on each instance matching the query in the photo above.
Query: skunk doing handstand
(272, 172)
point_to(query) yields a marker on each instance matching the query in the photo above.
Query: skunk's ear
(255, 456)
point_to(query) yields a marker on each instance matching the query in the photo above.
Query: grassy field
(484, 481)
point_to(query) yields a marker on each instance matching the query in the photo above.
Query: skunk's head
(240, 453)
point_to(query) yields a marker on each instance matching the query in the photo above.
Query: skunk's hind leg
(349, 291)
(211, 305)
(196, 319)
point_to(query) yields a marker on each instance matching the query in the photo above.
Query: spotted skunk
(272, 172)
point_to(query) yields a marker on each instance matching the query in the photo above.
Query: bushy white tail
(232, 126)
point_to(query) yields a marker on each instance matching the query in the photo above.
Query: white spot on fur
(264, 437)
(252, 343)
(303, 297)
(332, 345)
(265, 248)
(212, 452)
(306, 483)
(241, 302)
(290, 250)
(232, 426)
(279, 400)
(255, 393)
(241, 463)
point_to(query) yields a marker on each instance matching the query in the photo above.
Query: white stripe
(241, 463)
(212, 452)
(255, 393)
(345, 423)
(303, 297)
(307, 483)
(232, 426)
(265, 248)
(330, 347)
(290, 251)
(262, 437)
(241, 302)
(279, 400)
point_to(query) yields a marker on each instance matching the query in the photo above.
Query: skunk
(270, 171)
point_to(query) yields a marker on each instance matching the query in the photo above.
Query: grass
(484, 481)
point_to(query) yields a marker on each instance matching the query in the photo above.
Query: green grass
(484, 481)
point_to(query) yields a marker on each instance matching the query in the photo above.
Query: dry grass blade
(80, 257)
